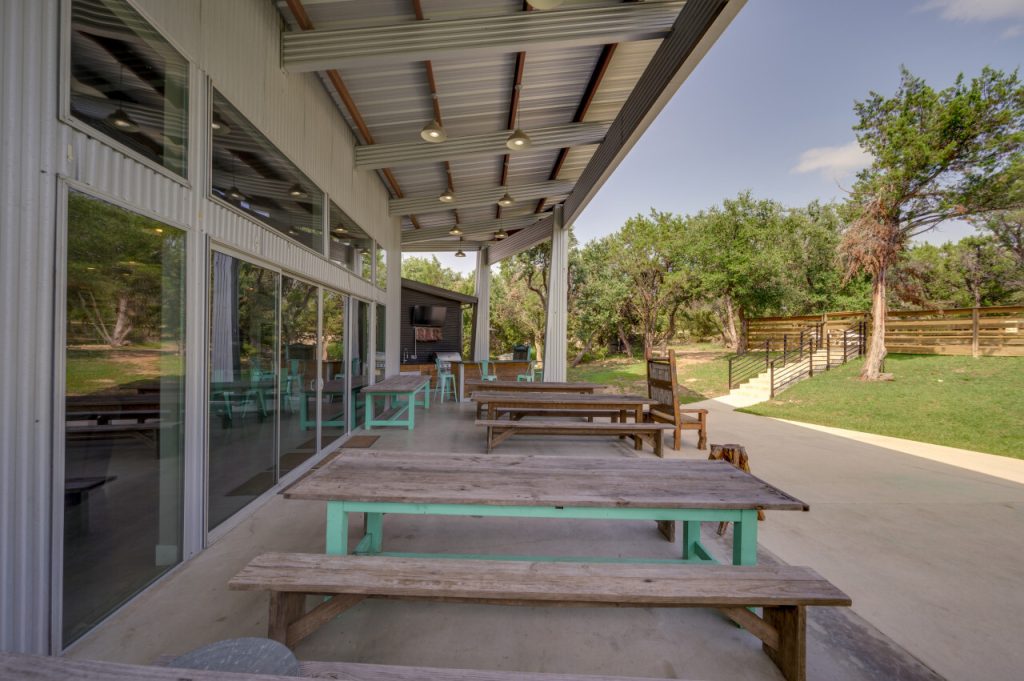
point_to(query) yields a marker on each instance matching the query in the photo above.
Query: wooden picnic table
(477, 385)
(692, 492)
(401, 386)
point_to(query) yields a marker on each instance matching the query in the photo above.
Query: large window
(298, 415)
(253, 176)
(124, 407)
(128, 83)
(349, 245)
(382, 268)
(243, 384)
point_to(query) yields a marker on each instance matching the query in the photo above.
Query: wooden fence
(997, 331)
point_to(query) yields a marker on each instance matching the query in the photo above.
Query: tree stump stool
(737, 456)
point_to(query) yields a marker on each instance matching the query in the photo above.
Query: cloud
(833, 162)
(981, 10)
(977, 10)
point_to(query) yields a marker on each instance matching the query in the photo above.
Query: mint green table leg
(375, 528)
(368, 411)
(412, 410)
(337, 529)
(691, 539)
(426, 397)
(744, 539)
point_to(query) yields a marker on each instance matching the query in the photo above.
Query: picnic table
(692, 492)
(401, 386)
(477, 385)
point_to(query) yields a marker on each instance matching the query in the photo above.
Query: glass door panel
(334, 372)
(362, 359)
(298, 371)
(243, 394)
(124, 407)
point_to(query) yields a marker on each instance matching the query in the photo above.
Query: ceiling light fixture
(297, 191)
(218, 126)
(500, 234)
(459, 253)
(455, 231)
(517, 140)
(433, 132)
(340, 229)
(447, 196)
(544, 4)
(235, 194)
(122, 121)
(506, 200)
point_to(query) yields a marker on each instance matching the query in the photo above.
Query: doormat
(361, 442)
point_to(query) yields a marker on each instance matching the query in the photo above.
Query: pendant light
(506, 200)
(120, 118)
(219, 127)
(500, 234)
(447, 196)
(433, 132)
(455, 231)
(234, 193)
(459, 253)
(296, 191)
(517, 140)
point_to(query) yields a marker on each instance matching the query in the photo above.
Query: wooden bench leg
(677, 439)
(659, 443)
(791, 655)
(285, 608)
(702, 434)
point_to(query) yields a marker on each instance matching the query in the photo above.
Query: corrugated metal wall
(29, 147)
(236, 43)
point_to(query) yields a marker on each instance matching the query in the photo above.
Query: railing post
(810, 360)
(771, 380)
(975, 323)
(785, 348)
(844, 347)
(828, 355)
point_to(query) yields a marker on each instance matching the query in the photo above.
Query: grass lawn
(975, 404)
(98, 370)
(703, 372)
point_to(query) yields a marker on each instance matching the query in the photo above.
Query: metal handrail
(748, 364)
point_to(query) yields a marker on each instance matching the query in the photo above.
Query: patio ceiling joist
(469, 229)
(406, 42)
(372, 157)
(479, 197)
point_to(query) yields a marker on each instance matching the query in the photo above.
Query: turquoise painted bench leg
(368, 411)
(337, 529)
(744, 539)
(375, 529)
(691, 539)
(411, 416)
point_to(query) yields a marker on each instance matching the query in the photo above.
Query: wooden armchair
(663, 385)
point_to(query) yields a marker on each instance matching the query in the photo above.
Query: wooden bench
(783, 591)
(499, 430)
(21, 667)
(663, 386)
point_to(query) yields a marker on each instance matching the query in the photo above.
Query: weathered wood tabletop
(527, 386)
(505, 480)
(398, 384)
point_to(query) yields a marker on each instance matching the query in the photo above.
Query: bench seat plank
(636, 584)
(356, 671)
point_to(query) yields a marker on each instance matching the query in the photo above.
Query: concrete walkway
(928, 551)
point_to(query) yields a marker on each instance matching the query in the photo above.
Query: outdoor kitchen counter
(506, 369)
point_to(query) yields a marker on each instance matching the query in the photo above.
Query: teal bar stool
(445, 380)
(528, 376)
(485, 374)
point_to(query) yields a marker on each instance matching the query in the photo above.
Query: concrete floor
(926, 550)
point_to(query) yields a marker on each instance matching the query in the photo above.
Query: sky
(770, 107)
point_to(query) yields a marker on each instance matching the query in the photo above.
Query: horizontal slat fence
(993, 331)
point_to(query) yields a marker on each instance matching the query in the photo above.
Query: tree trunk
(626, 346)
(872, 370)
(730, 326)
(741, 342)
(586, 348)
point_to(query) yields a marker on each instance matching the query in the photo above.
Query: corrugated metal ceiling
(474, 97)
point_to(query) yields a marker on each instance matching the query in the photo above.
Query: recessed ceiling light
(517, 140)
(433, 132)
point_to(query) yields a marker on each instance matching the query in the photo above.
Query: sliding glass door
(335, 371)
(124, 407)
(300, 310)
(362, 358)
(243, 389)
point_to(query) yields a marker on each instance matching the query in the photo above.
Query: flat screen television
(428, 315)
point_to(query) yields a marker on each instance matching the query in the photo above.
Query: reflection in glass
(382, 268)
(128, 82)
(253, 176)
(362, 360)
(334, 370)
(381, 342)
(243, 384)
(124, 407)
(298, 372)
(349, 245)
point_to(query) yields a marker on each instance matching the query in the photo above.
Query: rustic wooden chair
(663, 386)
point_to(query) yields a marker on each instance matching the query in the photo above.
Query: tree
(741, 257)
(937, 156)
(431, 271)
(644, 255)
(599, 293)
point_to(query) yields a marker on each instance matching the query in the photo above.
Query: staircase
(757, 376)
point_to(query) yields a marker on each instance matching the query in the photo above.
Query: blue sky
(770, 108)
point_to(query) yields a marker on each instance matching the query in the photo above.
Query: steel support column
(555, 346)
(482, 318)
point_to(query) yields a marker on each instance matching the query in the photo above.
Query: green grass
(975, 404)
(98, 370)
(703, 373)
